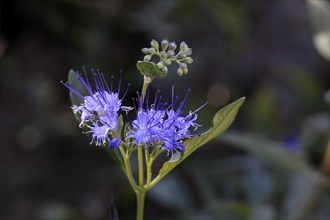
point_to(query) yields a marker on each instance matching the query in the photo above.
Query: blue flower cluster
(160, 124)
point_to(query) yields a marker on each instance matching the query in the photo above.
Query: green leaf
(221, 121)
(77, 85)
(150, 69)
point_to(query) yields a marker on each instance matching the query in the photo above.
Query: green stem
(140, 195)
(155, 180)
(140, 191)
(146, 81)
(149, 161)
(127, 169)
(140, 165)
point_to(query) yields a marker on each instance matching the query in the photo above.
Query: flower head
(162, 123)
(99, 109)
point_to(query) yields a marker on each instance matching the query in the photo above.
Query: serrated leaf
(221, 121)
(150, 69)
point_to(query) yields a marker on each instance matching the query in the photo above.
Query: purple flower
(99, 109)
(99, 134)
(147, 126)
(114, 143)
(162, 123)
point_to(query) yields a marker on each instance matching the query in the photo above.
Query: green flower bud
(183, 46)
(160, 65)
(154, 44)
(183, 65)
(147, 58)
(163, 55)
(181, 55)
(188, 51)
(188, 60)
(167, 55)
(165, 44)
(185, 70)
(180, 72)
(170, 53)
(151, 50)
(145, 50)
(164, 69)
(167, 62)
(173, 45)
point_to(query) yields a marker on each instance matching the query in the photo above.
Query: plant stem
(127, 169)
(140, 195)
(140, 192)
(140, 165)
(146, 81)
(149, 161)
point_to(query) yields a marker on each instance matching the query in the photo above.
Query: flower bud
(180, 72)
(162, 54)
(154, 44)
(151, 50)
(183, 65)
(185, 70)
(188, 51)
(160, 65)
(188, 60)
(165, 44)
(147, 58)
(181, 55)
(164, 69)
(183, 46)
(173, 45)
(167, 62)
(114, 143)
(170, 53)
(145, 50)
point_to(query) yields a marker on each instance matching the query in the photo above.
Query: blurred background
(269, 165)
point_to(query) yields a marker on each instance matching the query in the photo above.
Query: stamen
(88, 88)
(67, 85)
(84, 71)
(121, 76)
(199, 108)
(128, 85)
(105, 82)
(146, 100)
(184, 100)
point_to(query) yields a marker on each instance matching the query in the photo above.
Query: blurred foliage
(320, 21)
(267, 167)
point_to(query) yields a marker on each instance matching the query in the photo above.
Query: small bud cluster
(167, 55)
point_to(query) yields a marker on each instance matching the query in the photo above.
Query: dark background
(259, 49)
